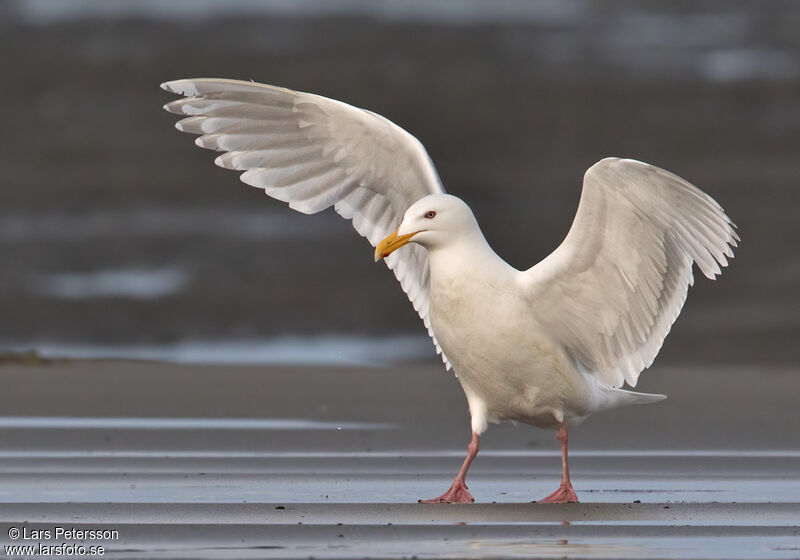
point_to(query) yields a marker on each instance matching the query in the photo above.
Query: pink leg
(565, 493)
(458, 493)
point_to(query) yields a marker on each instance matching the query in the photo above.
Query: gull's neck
(469, 254)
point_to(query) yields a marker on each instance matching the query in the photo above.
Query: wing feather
(612, 290)
(314, 153)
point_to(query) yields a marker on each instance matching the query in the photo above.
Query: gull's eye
(430, 214)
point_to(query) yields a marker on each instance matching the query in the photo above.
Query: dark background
(513, 106)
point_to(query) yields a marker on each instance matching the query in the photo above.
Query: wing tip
(610, 161)
(303, 207)
(224, 162)
(173, 86)
(184, 86)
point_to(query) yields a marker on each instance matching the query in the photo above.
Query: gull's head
(433, 221)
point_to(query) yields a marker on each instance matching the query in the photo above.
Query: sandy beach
(327, 462)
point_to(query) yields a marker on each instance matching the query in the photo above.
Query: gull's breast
(499, 353)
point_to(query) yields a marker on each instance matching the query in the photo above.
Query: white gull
(546, 346)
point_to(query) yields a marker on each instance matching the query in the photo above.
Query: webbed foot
(564, 495)
(457, 494)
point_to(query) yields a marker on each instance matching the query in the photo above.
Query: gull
(547, 346)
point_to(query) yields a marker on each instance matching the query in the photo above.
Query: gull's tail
(608, 398)
(625, 398)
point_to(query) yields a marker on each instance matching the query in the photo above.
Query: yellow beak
(391, 244)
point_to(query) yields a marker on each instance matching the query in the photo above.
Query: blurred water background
(118, 236)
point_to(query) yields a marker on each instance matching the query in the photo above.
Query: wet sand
(328, 462)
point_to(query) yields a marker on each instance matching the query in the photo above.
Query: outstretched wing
(313, 153)
(611, 291)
